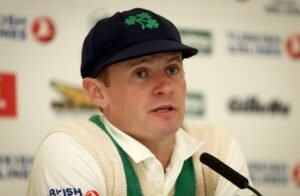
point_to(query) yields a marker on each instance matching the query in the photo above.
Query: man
(132, 69)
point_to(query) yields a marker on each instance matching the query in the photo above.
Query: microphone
(227, 172)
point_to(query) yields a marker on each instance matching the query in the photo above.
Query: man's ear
(95, 90)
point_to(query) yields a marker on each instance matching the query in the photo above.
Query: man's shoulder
(216, 140)
(73, 134)
(60, 163)
(60, 140)
(73, 125)
(204, 128)
(75, 128)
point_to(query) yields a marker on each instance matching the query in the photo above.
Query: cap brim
(150, 47)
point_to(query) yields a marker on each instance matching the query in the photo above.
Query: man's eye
(140, 74)
(172, 70)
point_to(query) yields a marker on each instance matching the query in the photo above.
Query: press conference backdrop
(245, 78)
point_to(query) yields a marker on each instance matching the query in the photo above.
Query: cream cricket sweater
(106, 155)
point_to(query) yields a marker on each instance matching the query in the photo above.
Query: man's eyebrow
(137, 61)
(175, 57)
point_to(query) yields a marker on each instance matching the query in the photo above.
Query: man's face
(146, 95)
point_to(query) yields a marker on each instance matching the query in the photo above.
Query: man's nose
(162, 84)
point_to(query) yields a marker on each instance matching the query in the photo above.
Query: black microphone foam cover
(224, 170)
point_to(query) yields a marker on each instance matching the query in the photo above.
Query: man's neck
(161, 147)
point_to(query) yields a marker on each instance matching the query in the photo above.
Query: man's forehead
(167, 56)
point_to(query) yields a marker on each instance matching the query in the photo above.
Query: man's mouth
(164, 109)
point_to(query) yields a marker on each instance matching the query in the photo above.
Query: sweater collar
(185, 145)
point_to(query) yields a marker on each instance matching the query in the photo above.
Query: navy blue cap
(129, 34)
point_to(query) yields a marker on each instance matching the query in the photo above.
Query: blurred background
(245, 78)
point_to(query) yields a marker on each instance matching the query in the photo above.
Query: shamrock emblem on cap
(144, 19)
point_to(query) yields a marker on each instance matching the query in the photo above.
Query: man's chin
(167, 128)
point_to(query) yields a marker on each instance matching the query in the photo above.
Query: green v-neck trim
(185, 184)
(133, 185)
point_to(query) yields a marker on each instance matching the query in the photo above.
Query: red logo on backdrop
(296, 174)
(43, 29)
(92, 193)
(293, 46)
(8, 95)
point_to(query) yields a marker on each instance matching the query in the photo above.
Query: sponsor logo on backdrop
(200, 39)
(283, 7)
(73, 97)
(8, 103)
(43, 29)
(15, 27)
(195, 104)
(269, 173)
(296, 174)
(254, 44)
(255, 105)
(14, 167)
(274, 173)
(293, 46)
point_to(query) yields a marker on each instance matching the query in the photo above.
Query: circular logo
(296, 174)
(43, 29)
(92, 193)
(293, 46)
